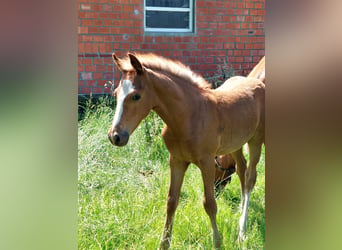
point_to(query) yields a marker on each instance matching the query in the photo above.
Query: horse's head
(225, 167)
(133, 102)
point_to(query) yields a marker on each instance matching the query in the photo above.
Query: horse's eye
(135, 97)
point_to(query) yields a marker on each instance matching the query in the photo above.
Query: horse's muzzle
(118, 138)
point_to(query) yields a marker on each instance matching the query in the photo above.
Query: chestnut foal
(200, 124)
(225, 164)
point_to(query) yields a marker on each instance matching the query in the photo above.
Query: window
(168, 15)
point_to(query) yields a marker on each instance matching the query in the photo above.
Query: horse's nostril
(116, 139)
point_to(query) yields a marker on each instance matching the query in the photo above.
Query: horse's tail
(259, 71)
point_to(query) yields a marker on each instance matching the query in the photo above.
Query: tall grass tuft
(122, 192)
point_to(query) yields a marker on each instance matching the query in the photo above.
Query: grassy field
(122, 193)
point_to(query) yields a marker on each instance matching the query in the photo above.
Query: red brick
(249, 5)
(182, 46)
(85, 90)
(203, 11)
(98, 61)
(97, 90)
(258, 5)
(138, 23)
(202, 25)
(186, 53)
(253, 12)
(240, 5)
(128, 23)
(82, 14)
(104, 30)
(93, 30)
(81, 48)
(90, 68)
(98, 38)
(100, 68)
(158, 39)
(209, 59)
(145, 46)
(124, 15)
(109, 47)
(237, 52)
(249, 19)
(200, 3)
(96, 7)
(90, 83)
(86, 22)
(118, 23)
(114, 30)
(245, 53)
(107, 7)
(164, 46)
(102, 48)
(239, 46)
(229, 46)
(138, 39)
(97, 22)
(81, 83)
(154, 46)
(108, 76)
(117, 7)
(103, 82)
(108, 22)
(248, 59)
(127, 8)
(93, 15)
(212, 25)
(261, 12)
(85, 7)
(104, 15)
(134, 31)
(124, 30)
(258, 19)
(86, 76)
(97, 75)
(113, 15)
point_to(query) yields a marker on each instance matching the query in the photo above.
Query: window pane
(168, 3)
(166, 19)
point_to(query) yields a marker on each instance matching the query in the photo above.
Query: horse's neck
(176, 103)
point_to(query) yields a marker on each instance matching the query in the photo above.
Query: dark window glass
(168, 3)
(167, 19)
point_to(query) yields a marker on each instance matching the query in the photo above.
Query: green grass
(122, 193)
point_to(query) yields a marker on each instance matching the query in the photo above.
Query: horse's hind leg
(254, 147)
(177, 169)
(240, 170)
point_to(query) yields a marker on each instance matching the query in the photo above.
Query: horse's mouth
(119, 139)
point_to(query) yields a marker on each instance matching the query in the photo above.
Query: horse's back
(240, 86)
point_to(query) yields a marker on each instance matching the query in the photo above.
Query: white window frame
(170, 9)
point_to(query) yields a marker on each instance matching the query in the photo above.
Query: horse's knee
(250, 178)
(210, 205)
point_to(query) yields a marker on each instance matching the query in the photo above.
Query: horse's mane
(172, 67)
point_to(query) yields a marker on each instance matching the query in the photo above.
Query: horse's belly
(226, 149)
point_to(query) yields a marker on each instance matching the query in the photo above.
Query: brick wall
(229, 30)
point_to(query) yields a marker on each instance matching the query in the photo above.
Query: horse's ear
(136, 63)
(116, 61)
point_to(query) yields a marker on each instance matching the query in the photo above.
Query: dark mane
(172, 67)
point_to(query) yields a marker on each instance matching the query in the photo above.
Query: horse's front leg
(207, 167)
(177, 169)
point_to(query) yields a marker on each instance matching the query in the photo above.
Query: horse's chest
(182, 148)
